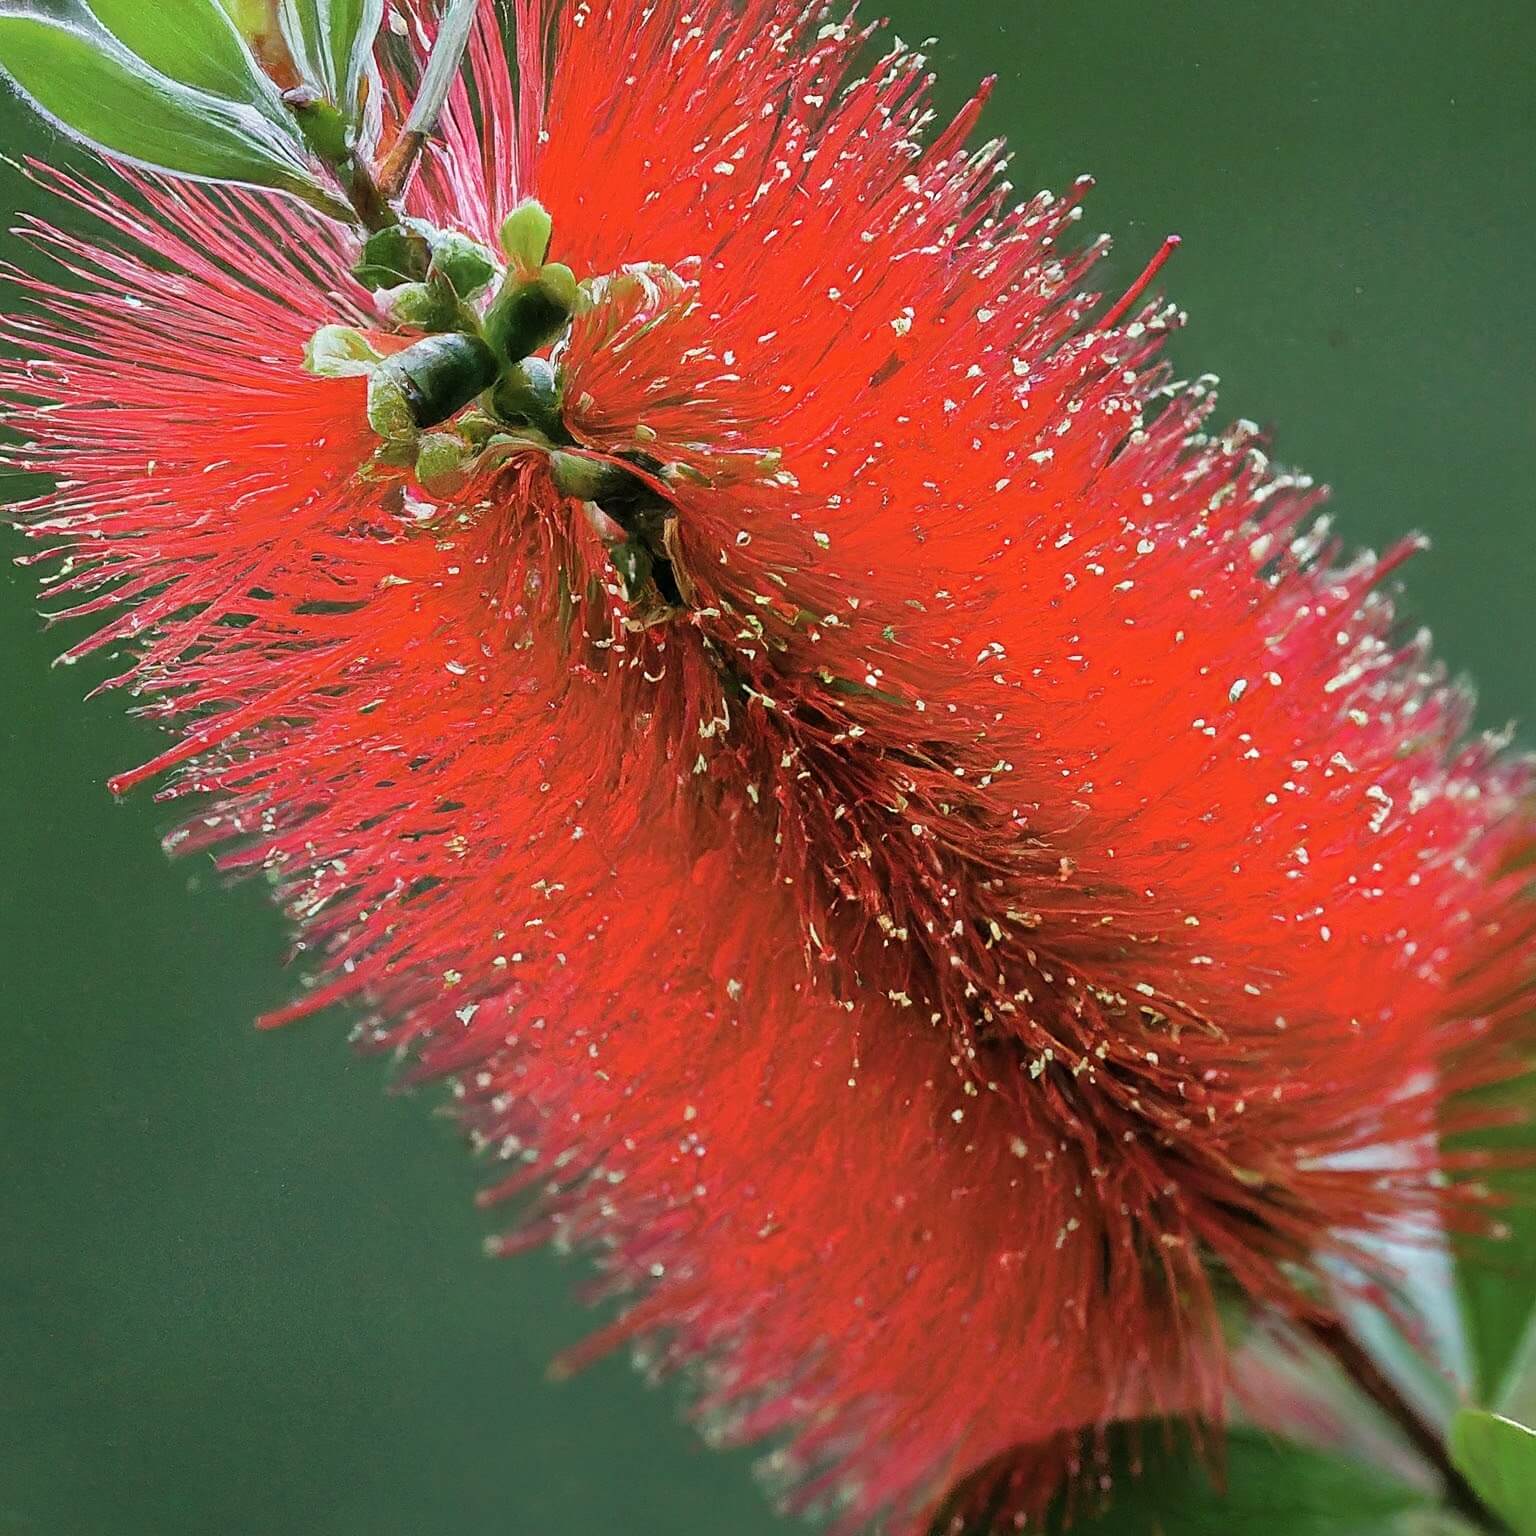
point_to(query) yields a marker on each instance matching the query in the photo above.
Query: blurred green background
(241, 1287)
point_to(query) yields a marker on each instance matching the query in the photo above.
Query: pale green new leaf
(192, 41)
(1498, 1457)
(340, 352)
(94, 89)
(333, 40)
(351, 28)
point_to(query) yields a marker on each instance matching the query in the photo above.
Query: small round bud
(525, 236)
(558, 280)
(425, 306)
(393, 255)
(442, 462)
(340, 352)
(464, 264)
(402, 253)
(527, 393)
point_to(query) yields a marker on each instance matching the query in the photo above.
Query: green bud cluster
(436, 281)
(484, 320)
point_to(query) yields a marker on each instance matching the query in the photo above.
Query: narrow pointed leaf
(1498, 1457)
(333, 42)
(94, 90)
(192, 41)
(351, 27)
(443, 64)
(304, 28)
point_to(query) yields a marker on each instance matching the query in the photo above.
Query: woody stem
(437, 80)
(1357, 1363)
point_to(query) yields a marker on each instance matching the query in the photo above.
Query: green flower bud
(402, 253)
(525, 236)
(427, 383)
(527, 393)
(339, 352)
(464, 264)
(431, 306)
(531, 313)
(586, 479)
(557, 279)
(442, 463)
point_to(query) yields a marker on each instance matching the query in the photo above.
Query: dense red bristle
(1035, 878)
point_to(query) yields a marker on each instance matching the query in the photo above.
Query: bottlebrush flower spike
(929, 864)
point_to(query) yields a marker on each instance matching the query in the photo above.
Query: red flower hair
(1011, 882)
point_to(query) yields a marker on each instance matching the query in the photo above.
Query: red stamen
(1139, 287)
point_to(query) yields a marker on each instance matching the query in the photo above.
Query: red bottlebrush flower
(931, 865)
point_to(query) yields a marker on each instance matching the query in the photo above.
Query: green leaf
(1518, 1399)
(401, 253)
(333, 40)
(340, 352)
(1496, 1280)
(1498, 1457)
(94, 89)
(192, 41)
(351, 27)
(1272, 1488)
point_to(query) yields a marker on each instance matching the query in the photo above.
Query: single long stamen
(1139, 287)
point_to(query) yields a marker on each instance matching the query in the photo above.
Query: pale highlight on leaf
(193, 42)
(1498, 1458)
(92, 89)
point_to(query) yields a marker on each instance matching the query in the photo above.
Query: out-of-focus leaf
(1435, 1522)
(1498, 1457)
(1518, 1399)
(1272, 1488)
(93, 89)
(1496, 1280)
(192, 41)
(333, 39)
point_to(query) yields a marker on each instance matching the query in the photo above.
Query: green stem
(371, 192)
(325, 131)
(368, 199)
